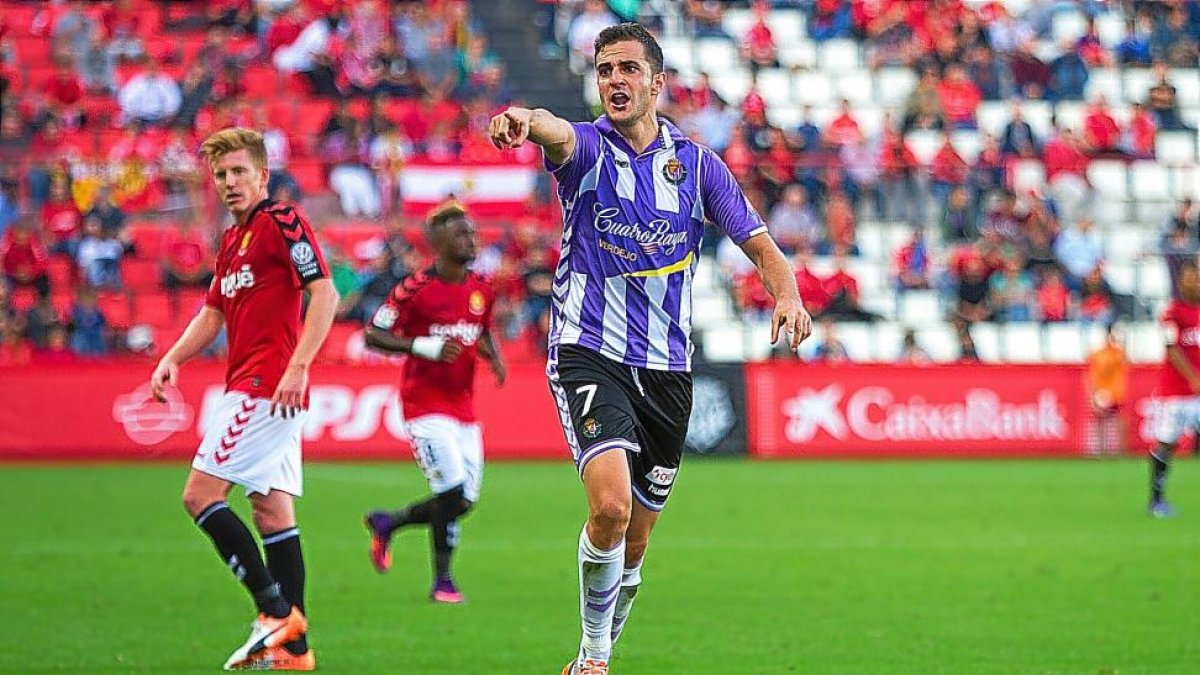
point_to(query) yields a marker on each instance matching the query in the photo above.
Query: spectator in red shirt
(1138, 139)
(1053, 298)
(122, 22)
(739, 157)
(24, 259)
(57, 350)
(61, 220)
(948, 171)
(1101, 135)
(1030, 74)
(811, 286)
(1066, 174)
(911, 263)
(758, 45)
(959, 97)
(898, 176)
(842, 290)
(64, 94)
(1092, 49)
(752, 297)
(15, 349)
(844, 128)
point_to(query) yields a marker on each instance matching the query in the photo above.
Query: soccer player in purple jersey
(635, 194)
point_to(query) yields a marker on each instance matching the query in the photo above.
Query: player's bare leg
(601, 557)
(1160, 461)
(275, 519)
(204, 498)
(637, 536)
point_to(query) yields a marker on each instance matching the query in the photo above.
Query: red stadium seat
(312, 117)
(140, 274)
(23, 298)
(63, 273)
(190, 302)
(148, 240)
(154, 308)
(282, 113)
(262, 82)
(310, 175)
(32, 51)
(115, 308)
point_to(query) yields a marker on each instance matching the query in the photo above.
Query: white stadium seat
(775, 84)
(1070, 115)
(717, 56)
(785, 117)
(787, 26)
(732, 86)
(838, 56)
(939, 341)
(813, 88)
(1187, 86)
(924, 144)
(1064, 343)
(1022, 343)
(1039, 115)
(1136, 84)
(798, 54)
(1144, 342)
(1109, 179)
(857, 339)
(1154, 280)
(893, 85)
(1104, 82)
(1123, 244)
(711, 309)
(1110, 26)
(724, 342)
(677, 54)
(987, 341)
(886, 339)
(1068, 26)
(920, 308)
(968, 144)
(1029, 174)
(1121, 275)
(992, 117)
(1148, 181)
(1175, 148)
(1185, 182)
(855, 87)
(737, 22)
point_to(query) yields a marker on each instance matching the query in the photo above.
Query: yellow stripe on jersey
(664, 271)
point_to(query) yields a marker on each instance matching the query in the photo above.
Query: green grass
(818, 568)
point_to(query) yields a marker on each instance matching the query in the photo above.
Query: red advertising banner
(104, 411)
(799, 410)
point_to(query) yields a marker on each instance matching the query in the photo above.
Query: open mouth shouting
(619, 101)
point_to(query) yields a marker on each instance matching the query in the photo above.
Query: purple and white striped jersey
(632, 225)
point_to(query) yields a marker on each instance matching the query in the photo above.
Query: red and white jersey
(427, 305)
(1181, 323)
(258, 276)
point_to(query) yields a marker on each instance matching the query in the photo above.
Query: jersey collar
(668, 136)
(254, 211)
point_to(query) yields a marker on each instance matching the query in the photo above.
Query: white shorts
(449, 452)
(246, 446)
(1176, 415)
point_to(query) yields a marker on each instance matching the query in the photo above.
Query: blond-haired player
(268, 260)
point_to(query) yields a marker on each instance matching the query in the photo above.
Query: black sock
(240, 553)
(286, 562)
(417, 513)
(1159, 462)
(443, 524)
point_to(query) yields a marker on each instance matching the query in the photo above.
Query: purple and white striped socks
(600, 575)
(631, 580)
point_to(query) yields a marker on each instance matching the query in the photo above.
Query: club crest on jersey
(675, 172)
(590, 427)
(475, 303)
(236, 280)
(245, 245)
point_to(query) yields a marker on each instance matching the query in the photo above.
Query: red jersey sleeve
(213, 297)
(307, 261)
(393, 314)
(1170, 326)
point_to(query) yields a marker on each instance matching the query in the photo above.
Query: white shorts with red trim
(449, 452)
(247, 446)
(1176, 415)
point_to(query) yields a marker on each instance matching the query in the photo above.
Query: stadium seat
(1070, 115)
(1154, 280)
(1121, 275)
(886, 341)
(1029, 174)
(1039, 115)
(1064, 343)
(309, 174)
(710, 310)
(1145, 343)
(1070, 25)
(855, 87)
(148, 239)
(116, 309)
(154, 309)
(785, 117)
(939, 341)
(1175, 148)
(140, 274)
(32, 51)
(1187, 86)
(787, 26)
(677, 53)
(813, 88)
(992, 117)
(723, 343)
(1184, 182)
(1022, 343)
(857, 339)
(775, 85)
(838, 56)
(1124, 244)
(1148, 181)
(801, 54)
(737, 22)
(716, 56)
(1109, 179)
(732, 85)
(63, 273)
(968, 144)
(987, 337)
(1110, 27)
(920, 308)
(893, 85)
(1104, 82)
(925, 144)
(1136, 83)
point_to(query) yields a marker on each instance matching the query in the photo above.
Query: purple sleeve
(587, 149)
(724, 203)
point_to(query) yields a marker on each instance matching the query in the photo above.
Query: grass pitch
(822, 568)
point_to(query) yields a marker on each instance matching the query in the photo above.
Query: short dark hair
(635, 32)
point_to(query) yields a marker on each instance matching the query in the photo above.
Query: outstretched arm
(511, 128)
(780, 281)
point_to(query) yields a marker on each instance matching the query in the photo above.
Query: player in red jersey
(268, 259)
(441, 318)
(1179, 383)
